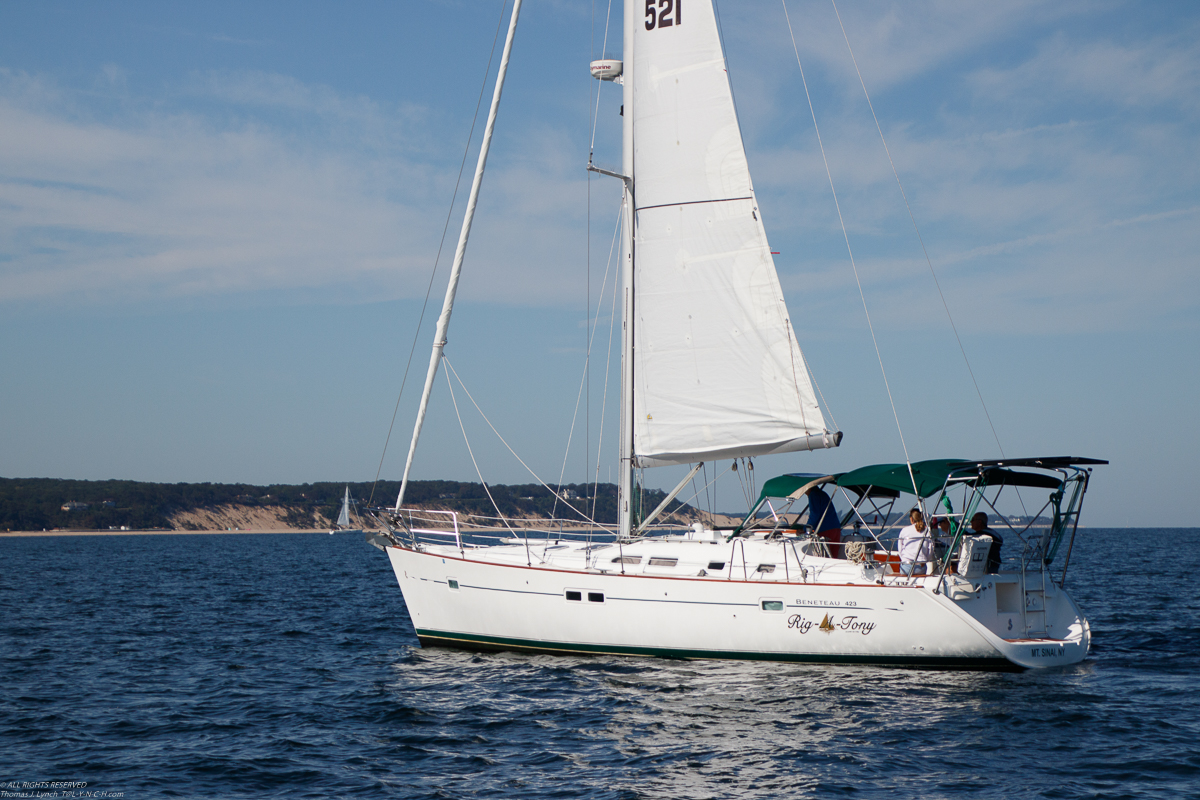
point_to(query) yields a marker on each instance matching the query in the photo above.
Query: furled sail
(717, 369)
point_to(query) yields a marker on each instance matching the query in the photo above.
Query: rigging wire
(587, 357)
(696, 494)
(746, 495)
(503, 441)
(846, 236)
(813, 378)
(715, 468)
(585, 386)
(603, 51)
(441, 244)
(912, 217)
(920, 239)
(470, 452)
(612, 324)
(710, 497)
(584, 380)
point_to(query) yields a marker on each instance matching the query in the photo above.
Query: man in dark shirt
(979, 527)
(824, 520)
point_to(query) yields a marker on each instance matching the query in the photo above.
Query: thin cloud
(183, 204)
(220, 37)
(271, 184)
(1081, 182)
(173, 205)
(1159, 71)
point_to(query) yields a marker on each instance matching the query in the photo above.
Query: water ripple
(285, 666)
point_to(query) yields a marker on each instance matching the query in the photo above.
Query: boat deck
(777, 560)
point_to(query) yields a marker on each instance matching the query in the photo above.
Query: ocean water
(231, 666)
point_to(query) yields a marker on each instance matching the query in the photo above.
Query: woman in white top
(916, 544)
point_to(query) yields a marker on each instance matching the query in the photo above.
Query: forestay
(717, 370)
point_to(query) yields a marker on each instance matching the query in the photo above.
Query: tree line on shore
(50, 503)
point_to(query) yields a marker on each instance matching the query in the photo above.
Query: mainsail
(717, 370)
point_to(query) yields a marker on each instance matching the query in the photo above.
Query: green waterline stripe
(462, 641)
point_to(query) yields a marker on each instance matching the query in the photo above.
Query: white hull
(719, 375)
(472, 599)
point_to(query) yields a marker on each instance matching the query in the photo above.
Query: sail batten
(717, 370)
(695, 202)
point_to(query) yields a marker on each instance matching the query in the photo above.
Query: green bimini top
(881, 479)
(894, 478)
(931, 476)
(786, 485)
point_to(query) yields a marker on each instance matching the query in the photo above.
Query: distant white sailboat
(711, 369)
(344, 523)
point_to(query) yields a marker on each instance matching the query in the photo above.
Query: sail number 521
(662, 14)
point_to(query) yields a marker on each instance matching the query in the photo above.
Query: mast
(439, 338)
(628, 237)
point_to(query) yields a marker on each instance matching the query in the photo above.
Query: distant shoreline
(5, 534)
(37, 505)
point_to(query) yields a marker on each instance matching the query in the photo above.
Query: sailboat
(344, 523)
(712, 371)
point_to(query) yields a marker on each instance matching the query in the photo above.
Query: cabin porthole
(772, 605)
(573, 595)
(595, 597)
(453, 584)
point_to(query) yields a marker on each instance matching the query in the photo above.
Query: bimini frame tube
(443, 325)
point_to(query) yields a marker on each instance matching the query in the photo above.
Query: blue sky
(217, 224)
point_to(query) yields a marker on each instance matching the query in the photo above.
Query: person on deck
(979, 527)
(916, 545)
(825, 520)
(943, 537)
